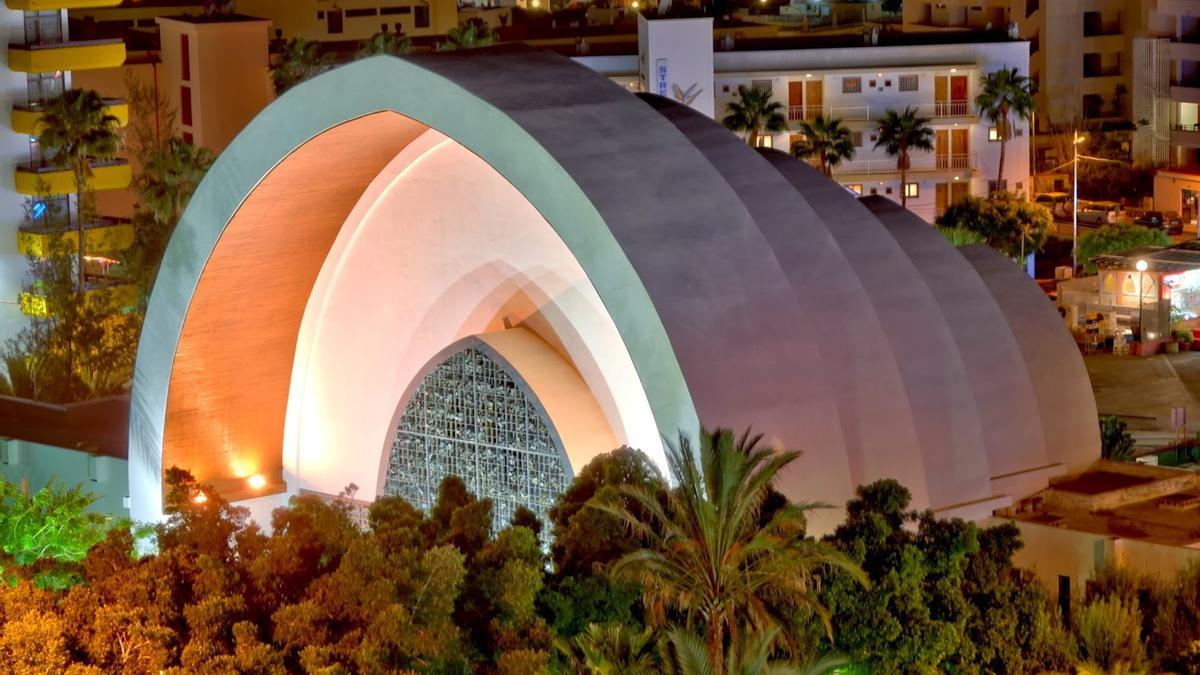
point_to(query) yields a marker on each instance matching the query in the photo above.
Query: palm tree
(611, 649)
(298, 61)
(826, 139)
(77, 130)
(384, 42)
(469, 35)
(1004, 94)
(717, 550)
(899, 134)
(686, 654)
(753, 112)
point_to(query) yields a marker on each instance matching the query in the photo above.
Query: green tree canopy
(1008, 223)
(1117, 238)
(901, 133)
(1004, 95)
(385, 42)
(825, 139)
(753, 112)
(297, 61)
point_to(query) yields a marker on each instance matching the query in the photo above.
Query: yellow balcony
(104, 236)
(83, 55)
(41, 5)
(124, 296)
(28, 119)
(110, 175)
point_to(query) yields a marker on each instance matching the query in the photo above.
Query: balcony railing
(921, 163)
(797, 113)
(1101, 28)
(1186, 127)
(1103, 71)
(962, 108)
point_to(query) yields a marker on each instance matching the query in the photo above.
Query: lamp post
(1141, 268)
(1075, 141)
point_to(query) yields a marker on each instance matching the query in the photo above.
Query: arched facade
(638, 260)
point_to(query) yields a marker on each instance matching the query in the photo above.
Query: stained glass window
(469, 418)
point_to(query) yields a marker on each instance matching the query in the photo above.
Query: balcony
(1109, 70)
(26, 119)
(43, 5)
(102, 236)
(80, 55)
(797, 113)
(116, 292)
(945, 109)
(956, 165)
(1186, 135)
(109, 175)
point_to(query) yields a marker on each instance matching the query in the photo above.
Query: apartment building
(334, 20)
(35, 195)
(856, 84)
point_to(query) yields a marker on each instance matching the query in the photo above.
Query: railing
(803, 112)
(858, 112)
(920, 163)
(961, 108)
(1103, 71)
(1101, 28)
(1186, 127)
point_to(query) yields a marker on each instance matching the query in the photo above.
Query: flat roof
(1181, 257)
(1096, 482)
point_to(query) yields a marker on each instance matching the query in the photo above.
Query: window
(851, 85)
(333, 21)
(1018, 132)
(993, 134)
(856, 188)
(856, 138)
(912, 190)
(874, 191)
(910, 83)
(185, 106)
(185, 59)
(993, 186)
(395, 10)
(763, 86)
(351, 13)
(764, 141)
(887, 190)
(188, 138)
(1064, 598)
(421, 16)
(470, 418)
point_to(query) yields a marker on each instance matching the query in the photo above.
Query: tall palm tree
(717, 550)
(1005, 94)
(77, 130)
(899, 134)
(827, 139)
(753, 112)
(385, 42)
(298, 61)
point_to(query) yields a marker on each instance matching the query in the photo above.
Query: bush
(1117, 238)
(1007, 222)
(1115, 442)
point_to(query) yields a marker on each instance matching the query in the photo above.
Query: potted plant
(1181, 340)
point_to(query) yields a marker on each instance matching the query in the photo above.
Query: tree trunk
(1003, 142)
(754, 137)
(903, 176)
(79, 212)
(716, 645)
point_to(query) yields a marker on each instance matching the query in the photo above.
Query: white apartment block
(857, 85)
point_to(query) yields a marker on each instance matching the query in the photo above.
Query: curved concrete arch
(1060, 379)
(673, 270)
(934, 379)
(989, 350)
(466, 256)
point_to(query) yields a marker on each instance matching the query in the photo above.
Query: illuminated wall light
(257, 481)
(954, 70)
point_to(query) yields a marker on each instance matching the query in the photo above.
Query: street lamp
(1079, 138)
(1141, 268)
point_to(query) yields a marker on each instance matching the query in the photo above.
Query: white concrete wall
(676, 60)
(14, 149)
(471, 255)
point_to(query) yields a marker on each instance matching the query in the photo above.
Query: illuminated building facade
(628, 265)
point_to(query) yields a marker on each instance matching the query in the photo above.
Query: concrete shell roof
(749, 289)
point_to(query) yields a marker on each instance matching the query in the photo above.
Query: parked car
(1059, 203)
(1091, 217)
(1171, 224)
